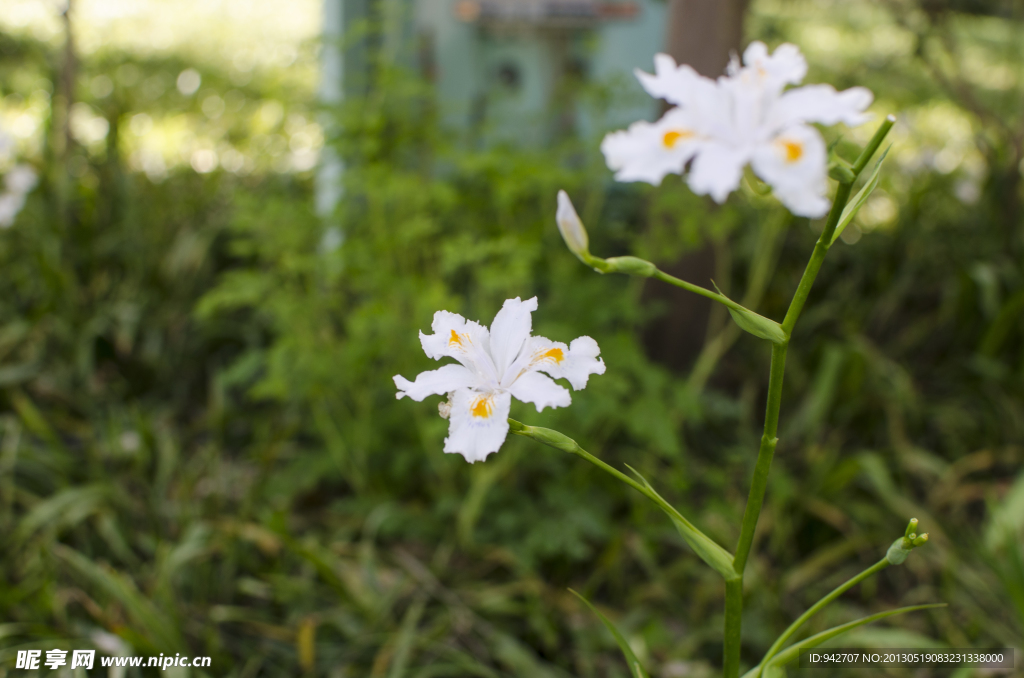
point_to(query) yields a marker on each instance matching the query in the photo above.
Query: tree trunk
(702, 33)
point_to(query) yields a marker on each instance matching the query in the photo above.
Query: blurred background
(246, 209)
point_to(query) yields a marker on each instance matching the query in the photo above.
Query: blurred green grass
(202, 452)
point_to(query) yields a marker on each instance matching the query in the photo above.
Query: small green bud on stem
(911, 528)
(902, 547)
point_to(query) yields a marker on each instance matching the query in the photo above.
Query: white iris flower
(744, 117)
(494, 366)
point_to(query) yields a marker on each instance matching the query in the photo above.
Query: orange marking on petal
(555, 354)
(794, 150)
(455, 339)
(672, 137)
(481, 407)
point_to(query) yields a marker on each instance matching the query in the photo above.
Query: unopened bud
(898, 552)
(902, 547)
(911, 527)
(571, 228)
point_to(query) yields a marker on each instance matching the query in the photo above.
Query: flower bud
(902, 547)
(898, 552)
(911, 528)
(571, 228)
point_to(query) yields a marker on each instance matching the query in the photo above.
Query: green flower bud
(897, 553)
(902, 547)
(911, 527)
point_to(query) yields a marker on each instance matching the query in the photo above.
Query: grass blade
(635, 670)
(793, 651)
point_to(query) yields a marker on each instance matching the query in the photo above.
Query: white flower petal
(676, 84)
(575, 362)
(478, 423)
(435, 382)
(822, 104)
(795, 164)
(786, 66)
(510, 330)
(648, 151)
(465, 340)
(534, 387)
(582, 362)
(717, 170)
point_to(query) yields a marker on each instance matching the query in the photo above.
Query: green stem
(733, 627)
(769, 439)
(697, 289)
(817, 258)
(818, 606)
(876, 141)
(764, 458)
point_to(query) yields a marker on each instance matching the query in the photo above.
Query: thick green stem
(818, 606)
(733, 627)
(862, 161)
(764, 458)
(817, 257)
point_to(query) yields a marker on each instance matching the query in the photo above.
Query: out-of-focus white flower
(10, 205)
(493, 367)
(744, 117)
(18, 182)
(21, 179)
(6, 144)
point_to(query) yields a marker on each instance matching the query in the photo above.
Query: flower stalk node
(630, 266)
(841, 171)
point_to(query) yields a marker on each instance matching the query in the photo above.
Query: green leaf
(704, 546)
(793, 651)
(759, 326)
(858, 201)
(635, 670)
(158, 629)
(64, 509)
